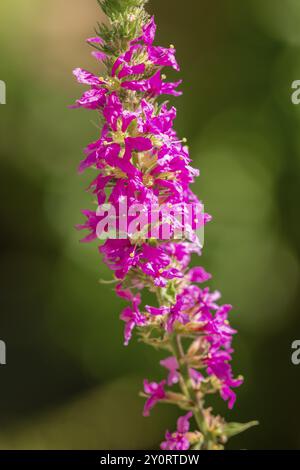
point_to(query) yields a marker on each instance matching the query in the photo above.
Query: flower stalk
(188, 389)
(140, 160)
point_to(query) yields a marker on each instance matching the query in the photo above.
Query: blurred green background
(69, 383)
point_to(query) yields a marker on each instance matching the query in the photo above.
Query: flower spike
(150, 220)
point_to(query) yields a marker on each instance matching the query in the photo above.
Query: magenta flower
(172, 365)
(99, 55)
(174, 314)
(163, 57)
(153, 86)
(120, 256)
(148, 36)
(90, 224)
(155, 392)
(87, 78)
(178, 440)
(92, 99)
(132, 317)
(95, 40)
(218, 366)
(198, 275)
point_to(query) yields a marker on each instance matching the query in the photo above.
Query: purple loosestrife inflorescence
(139, 158)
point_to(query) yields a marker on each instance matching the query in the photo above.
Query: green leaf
(232, 429)
(169, 293)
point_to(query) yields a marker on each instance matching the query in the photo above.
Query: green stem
(189, 391)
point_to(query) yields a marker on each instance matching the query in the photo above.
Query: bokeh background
(69, 383)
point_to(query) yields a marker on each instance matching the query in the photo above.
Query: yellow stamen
(119, 173)
(148, 180)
